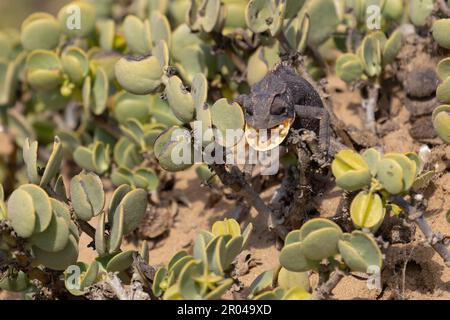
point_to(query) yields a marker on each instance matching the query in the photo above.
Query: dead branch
(435, 240)
(235, 179)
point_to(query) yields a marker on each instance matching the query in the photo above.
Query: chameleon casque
(281, 100)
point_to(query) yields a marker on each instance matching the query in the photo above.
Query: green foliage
(319, 239)
(379, 176)
(373, 54)
(206, 273)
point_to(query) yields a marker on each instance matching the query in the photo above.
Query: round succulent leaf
(192, 62)
(160, 275)
(161, 112)
(220, 290)
(393, 10)
(443, 91)
(443, 69)
(53, 163)
(288, 280)
(390, 174)
(409, 168)
(43, 70)
(30, 159)
(105, 59)
(372, 156)
(360, 252)
(276, 294)
(261, 283)
(173, 149)
(122, 176)
(42, 59)
(120, 262)
(75, 64)
(21, 213)
(127, 106)
(187, 285)
(161, 52)
(257, 67)
(419, 11)
(347, 160)
(134, 207)
(314, 225)
(106, 29)
(183, 37)
(80, 201)
(58, 260)
(60, 209)
(293, 258)
(137, 38)
(354, 180)
(160, 28)
(93, 188)
(297, 294)
(260, 15)
(126, 153)
(232, 250)
(392, 47)
(15, 283)
(349, 67)
(174, 271)
(77, 19)
(54, 238)
(100, 92)
(175, 258)
(321, 244)
(8, 81)
(40, 31)
(293, 237)
(370, 55)
(199, 89)
(44, 80)
(324, 18)
(84, 158)
(139, 75)
(441, 122)
(367, 210)
(150, 177)
(180, 100)
(101, 157)
(42, 206)
(211, 15)
(100, 238)
(116, 232)
(116, 198)
(440, 33)
(90, 275)
(226, 227)
(228, 122)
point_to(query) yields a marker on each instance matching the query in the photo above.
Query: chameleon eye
(278, 108)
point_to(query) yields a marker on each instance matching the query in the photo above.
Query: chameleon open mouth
(267, 139)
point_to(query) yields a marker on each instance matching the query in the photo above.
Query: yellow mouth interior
(267, 139)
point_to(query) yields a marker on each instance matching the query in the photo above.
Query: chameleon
(280, 101)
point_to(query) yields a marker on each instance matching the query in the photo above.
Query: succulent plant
(374, 53)
(122, 96)
(320, 239)
(205, 274)
(441, 122)
(288, 286)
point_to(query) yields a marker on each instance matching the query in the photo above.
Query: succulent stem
(434, 239)
(370, 105)
(324, 290)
